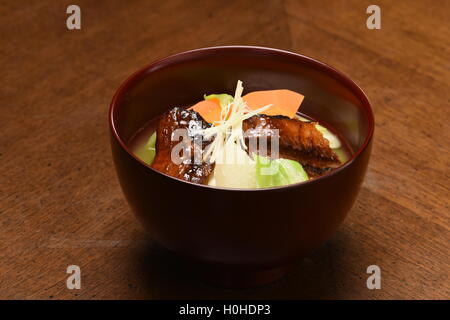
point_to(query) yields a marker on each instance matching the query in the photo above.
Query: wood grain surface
(60, 202)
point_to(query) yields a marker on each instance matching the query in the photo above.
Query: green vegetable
(147, 153)
(223, 98)
(278, 172)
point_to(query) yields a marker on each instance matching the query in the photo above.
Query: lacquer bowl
(240, 237)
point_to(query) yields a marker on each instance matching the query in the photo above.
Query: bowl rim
(174, 58)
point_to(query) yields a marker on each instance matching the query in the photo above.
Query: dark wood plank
(60, 203)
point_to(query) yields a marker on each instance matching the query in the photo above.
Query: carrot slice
(209, 110)
(284, 102)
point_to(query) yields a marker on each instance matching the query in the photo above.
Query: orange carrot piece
(284, 102)
(209, 110)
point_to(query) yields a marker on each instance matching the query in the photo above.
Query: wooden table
(60, 202)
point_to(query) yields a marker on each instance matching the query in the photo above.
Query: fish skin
(298, 140)
(188, 170)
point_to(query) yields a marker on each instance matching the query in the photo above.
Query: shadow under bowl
(240, 237)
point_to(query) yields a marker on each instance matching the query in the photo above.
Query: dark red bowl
(247, 236)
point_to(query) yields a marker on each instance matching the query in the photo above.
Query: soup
(258, 140)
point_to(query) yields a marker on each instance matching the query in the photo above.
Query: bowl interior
(183, 79)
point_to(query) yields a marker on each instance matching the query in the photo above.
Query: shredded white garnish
(228, 130)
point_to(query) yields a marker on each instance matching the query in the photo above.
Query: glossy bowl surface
(242, 237)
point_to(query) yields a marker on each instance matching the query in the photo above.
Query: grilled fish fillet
(179, 118)
(298, 140)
